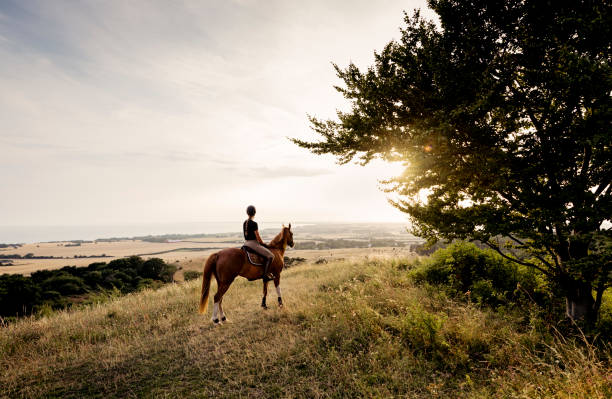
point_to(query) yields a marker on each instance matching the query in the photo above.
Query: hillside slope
(347, 330)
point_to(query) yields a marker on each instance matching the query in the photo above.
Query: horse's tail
(209, 268)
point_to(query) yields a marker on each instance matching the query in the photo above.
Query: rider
(254, 241)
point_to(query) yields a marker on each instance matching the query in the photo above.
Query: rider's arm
(259, 240)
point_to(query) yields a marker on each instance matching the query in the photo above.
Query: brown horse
(230, 263)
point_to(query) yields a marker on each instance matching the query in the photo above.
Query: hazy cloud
(160, 111)
(286, 171)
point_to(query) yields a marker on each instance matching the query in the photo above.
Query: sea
(32, 234)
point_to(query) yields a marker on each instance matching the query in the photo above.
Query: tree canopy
(501, 111)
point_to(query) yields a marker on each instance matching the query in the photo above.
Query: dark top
(249, 228)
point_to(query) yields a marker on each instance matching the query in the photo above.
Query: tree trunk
(579, 303)
(601, 287)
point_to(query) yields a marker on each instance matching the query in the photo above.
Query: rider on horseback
(254, 241)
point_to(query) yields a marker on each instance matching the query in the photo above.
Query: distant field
(190, 252)
(170, 252)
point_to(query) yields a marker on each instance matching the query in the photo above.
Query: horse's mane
(278, 240)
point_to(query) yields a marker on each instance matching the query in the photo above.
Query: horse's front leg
(265, 293)
(278, 291)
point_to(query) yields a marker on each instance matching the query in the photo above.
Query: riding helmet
(251, 210)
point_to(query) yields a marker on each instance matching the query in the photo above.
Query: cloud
(124, 94)
(286, 171)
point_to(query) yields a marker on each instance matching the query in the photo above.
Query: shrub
(65, 284)
(157, 269)
(93, 278)
(18, 295)
(53, 289)
(293, 261)
(483, 274)
(191, 275)
(143, 283)
(133, 262)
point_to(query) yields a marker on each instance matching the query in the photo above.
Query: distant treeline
(10, 245)
(57, 289)
(28, 256)
(32, 256)
(342, 243)
(165, 237)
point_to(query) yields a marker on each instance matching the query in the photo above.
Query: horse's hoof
(216, 321)
(264, 307)
(224, 319)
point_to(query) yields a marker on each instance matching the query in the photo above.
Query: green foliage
(334, 243)
(157, 269)
(604, 323)
(501, 113)
(55, 289)
(65, 284)
(481, 275)
(18, 295)
(191, 275)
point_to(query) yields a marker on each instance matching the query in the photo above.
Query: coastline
(46, 234)
(57, 233)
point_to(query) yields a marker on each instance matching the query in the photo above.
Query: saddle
(254, 258)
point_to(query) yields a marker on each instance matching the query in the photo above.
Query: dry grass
(312, 255)
(349, 329)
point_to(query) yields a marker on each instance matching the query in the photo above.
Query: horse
(230, 263)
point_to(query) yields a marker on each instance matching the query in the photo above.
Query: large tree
(501, 112)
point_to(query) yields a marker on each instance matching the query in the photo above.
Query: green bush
(133, 262)
(65, 284)
(191, 275)
(604, 324)
(481, 275)
(18, 295)
(157, 269)
(53, 289)
(93, 278)
(143, 283)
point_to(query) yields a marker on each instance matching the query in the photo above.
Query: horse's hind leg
(221, 313)
(221, 290)
(265, 293)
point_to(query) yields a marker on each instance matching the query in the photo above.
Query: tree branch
(520, 262)
(516, 240)
(601, 188)
(537, 256)
(587, 160)
(554, 257)
(534, 120)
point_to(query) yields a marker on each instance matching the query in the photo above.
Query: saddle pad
(254, 258)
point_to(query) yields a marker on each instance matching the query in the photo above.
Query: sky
(123, 112)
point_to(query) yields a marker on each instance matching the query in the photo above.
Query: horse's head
(288, 234)
(282, 239)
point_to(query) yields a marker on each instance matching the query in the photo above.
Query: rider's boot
(267, 276)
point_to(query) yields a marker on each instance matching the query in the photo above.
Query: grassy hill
(348, 329)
